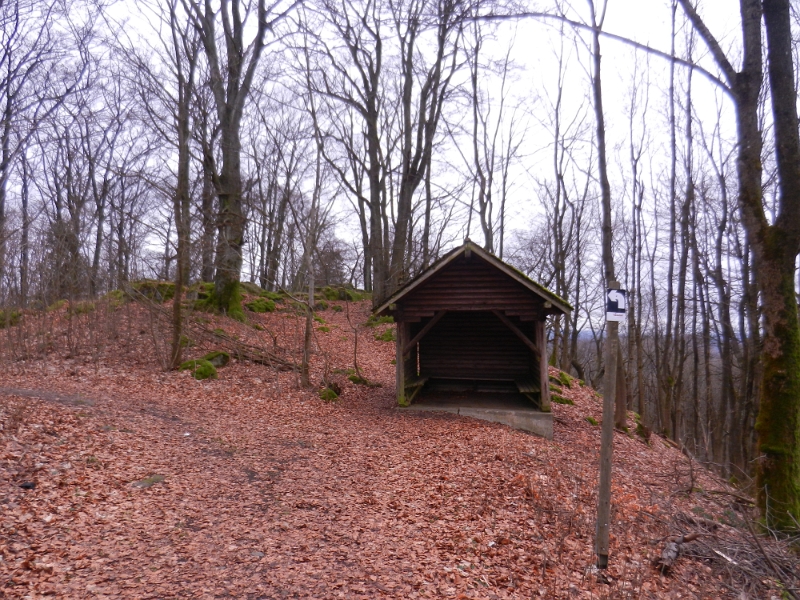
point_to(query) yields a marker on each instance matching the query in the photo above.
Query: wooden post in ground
(540, 340)
(607, 440)
(401, 329)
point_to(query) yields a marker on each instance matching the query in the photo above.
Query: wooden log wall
(472, 285)
(474, 345)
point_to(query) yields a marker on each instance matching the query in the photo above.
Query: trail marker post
(615, 312)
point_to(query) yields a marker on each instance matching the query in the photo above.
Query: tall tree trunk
(776, 248)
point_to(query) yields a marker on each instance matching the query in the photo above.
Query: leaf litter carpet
(149, 484)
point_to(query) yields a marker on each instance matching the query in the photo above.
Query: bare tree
(232, 63)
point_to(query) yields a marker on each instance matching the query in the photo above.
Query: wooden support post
(401, 328)
(607, 441)
(540, 340)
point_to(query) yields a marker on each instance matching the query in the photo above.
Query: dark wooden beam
(428, 326)
(507, 322)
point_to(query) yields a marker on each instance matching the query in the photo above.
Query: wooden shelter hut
(470, 317)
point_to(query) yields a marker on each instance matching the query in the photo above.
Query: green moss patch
(218, 358)
(324, 329)
(374, 321)
(260, 305)
(57, 305)
(565, 379)
(592, 421)
(116, 298)
(328, 394)
(363, 381)
(252, 288)
(9, 318)
(558, 399)
(201, 369)
(81, 308)
(147, 482)
(342, 293)
(158, 291)
(386, 336)
(337, 308)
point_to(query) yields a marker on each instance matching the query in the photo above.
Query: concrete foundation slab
(526, 419)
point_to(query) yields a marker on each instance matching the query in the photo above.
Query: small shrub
(201, 369)
(218, 358)
(186, 342)
(337, 308)
(327, 394)
(321, 305)
(592, 421)
(9, 318)
(261, 305)
(386, 336)
(558, 399)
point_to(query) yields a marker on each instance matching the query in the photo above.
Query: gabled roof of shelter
(469, 246)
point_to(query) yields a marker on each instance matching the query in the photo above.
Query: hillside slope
(151, 484)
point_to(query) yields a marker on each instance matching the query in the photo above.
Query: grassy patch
(324, 329)
(592, 421)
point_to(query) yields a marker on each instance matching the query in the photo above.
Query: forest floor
(149, 484)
